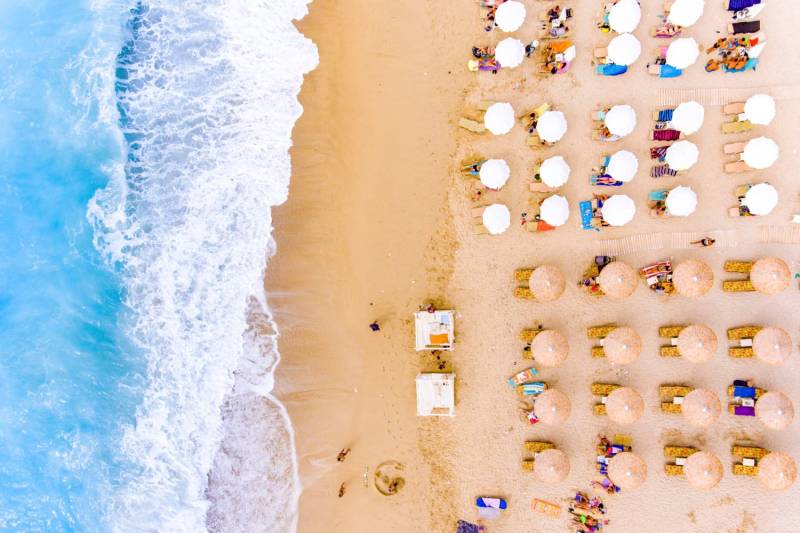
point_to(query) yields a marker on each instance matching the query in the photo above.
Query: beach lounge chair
(741, 267)
(745, 390)
(677, 455)
(750, 455)
(546, 508)
(738, 126)
(671, 333)
(743, 339)
(602, 390)
(740, 285)
(532, 389)
(523, 274)
(472, 125)
(743, 332)
(523, 293)
(534, 447)
(598, 332)
(528, 335)
(743, 396)
(663, 71)
(672, 397)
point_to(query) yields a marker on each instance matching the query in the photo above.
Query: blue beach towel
(611, 69)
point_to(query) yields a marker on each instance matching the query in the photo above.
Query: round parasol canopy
(692, 278)
(622, 166)
(622, 346)
(618, 210)
(627, 470)
(554, 171)
(554, 210)
(682, 53)
(620, 120)
(682, 155)
(775, 410)
(760, 153)
(496, 218)
(772, 345)
(760, 109)
(624, 406)
(617, 280)
(494, 173)
(549, 348)
(761, 199)
(701, 408)
(510, 15)
(770, 275)
(509, 52)
(624, 49)
(697, 343)
(703, 470)
(624, 16)
(552, 407)
(681, 201)
(547, 283)
(570, 53)
(552, 126)
(551, 466)
(777, 471)
(499, 118)
(686, 13)
(688, 117)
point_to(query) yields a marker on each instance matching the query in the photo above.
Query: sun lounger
(546, 508)
(599, 332)
(472, 125)
(525, 376)
(669, 351)
(603, 389)
(523, 274)
(744, 470)
(673, 391)
(740, 352)
(597, 352)
(674, 452)
(599, 409)
(739, 285)
(741, 267)
(743, 332)
(739, 126)
(751, 452)
(733, 148)
(536, 446)
(664, 71)
(532, 389)
(735, 108)
(673, 469)
(528, 335)
(736, 167)
(670, 331)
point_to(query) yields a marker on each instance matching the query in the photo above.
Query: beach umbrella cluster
(624, 49)
(622, 166)
(554, 171)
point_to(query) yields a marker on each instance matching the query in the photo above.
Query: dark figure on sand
(705, 241)
(342, 455)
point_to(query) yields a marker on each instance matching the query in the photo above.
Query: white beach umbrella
(552, 126)
(618, 210)
(761, 199)
(683, 53)
(554, 210)
(760, 153)
(570, 53)
(510, 15)
(681, 201)
(624, 16)
(509, 52)
(624, 49)
(496, 218)
(682, 155)
(620, 120)
(760, 109)
(494, 173)
(622, 166)
(686, 12)
(499, 118)
(554, 171)
(688, 117)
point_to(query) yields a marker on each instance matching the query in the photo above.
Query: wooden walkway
(718, 96)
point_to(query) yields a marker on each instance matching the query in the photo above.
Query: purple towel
(746, 27)
(658, 152)
(744, 410)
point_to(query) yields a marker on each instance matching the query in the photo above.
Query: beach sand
(378, 223)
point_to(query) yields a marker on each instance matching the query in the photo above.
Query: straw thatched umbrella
(554, 171)
(547, 283)
(685, 13)
(760, 153)
(549, 348)
(494, 173)
(551, 126)
(627, 470)
(510, 16)
(499, 118)
(692, 278)
(681, 201)
(552, 407)
(622, 346)
(622, 166)
(777, 471)
(688, 117)
(683, 52)
(554, 210)
(624, 49)
(618, 210)
(509, 52)
(775, 410)
(496, 218)
(682, 155)
(551, 466)
(624, 406)
(617, 280)
(620, 120)
(703, 470)
(770, 275)
(772, 345)
(760, 199)
(624, 16)
(701, 408)
(760, 109)
(697, 343)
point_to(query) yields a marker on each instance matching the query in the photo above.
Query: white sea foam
(211, 100)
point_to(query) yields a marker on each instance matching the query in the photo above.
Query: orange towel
(440, 338)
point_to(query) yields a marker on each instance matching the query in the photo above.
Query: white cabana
(554, 171)
(686, 13)
(760, 153)
(761, 199)
(681, 201)
(434, 331)
(759, 109)
(509, 52)
(551, 126)
(436, 394)
(683, 52)
(499, 118)
(496, 218)
(620, 120)
(682, 155)
(622, 166)
(688, 117)
(554, 210)
(510, 15)
(618, 210)
(624, 49)
(624, 16)
(494, 173)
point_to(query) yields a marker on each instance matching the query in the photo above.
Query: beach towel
(467, 527)
(744, 392)
(668, 71)
(611, 69)
(661, 171)
(736, 5)
(658, 152)
(604, 180)
(665, 115)
(746, 27)
(666, 135)
(586, 215)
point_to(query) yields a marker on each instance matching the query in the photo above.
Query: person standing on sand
(704, 242)
(342, 489)
(342, 455)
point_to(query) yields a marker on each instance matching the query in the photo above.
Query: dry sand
(378, 221)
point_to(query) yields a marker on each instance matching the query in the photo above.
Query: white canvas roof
(436, 394)
(434, 331)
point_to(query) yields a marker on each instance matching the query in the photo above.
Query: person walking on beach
(704, 242)
(342, 455)
(342, 489)
(375, 326)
